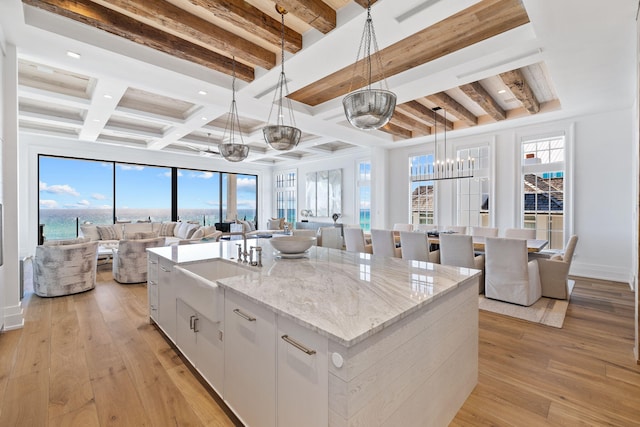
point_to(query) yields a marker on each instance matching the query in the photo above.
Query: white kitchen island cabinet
(250, 361)
(334, 339)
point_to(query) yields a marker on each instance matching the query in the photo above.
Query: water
(61, 223)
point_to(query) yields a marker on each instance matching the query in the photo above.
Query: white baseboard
(13, 317)
(602, 272)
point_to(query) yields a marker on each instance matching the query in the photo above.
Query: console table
(316, 225)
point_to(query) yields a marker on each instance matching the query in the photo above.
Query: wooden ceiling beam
(243, 15)
(316, 13)
(105, 19)
(396, 130)
(423, 113)
(480, 96)
(443, 100)
(516, 82)
(165, 16)
(479, 22)
(417, 128)
(363, 3)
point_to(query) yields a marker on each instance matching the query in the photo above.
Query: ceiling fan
(208, 152)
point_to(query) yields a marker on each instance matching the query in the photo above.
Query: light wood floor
(92, 359)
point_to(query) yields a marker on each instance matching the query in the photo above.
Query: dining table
(533, 245)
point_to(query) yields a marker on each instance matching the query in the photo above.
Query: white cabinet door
(152, 285)
(166, 298)
(200, 341)
(303, 376)
(210, 358)
(185, 337)
(250, 367)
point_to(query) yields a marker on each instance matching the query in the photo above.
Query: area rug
(546, 311)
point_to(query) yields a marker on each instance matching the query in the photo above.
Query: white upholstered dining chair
(509, 276)
(457, 250)
(484, 231)
(354, 240)
(329, 237)
(383, 244)
(520, 233)
(415, 246)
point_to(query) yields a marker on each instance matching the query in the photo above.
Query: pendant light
(230, 148)
(280, 136)
(369, 108)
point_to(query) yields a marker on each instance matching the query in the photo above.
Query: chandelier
(369, 108)
(444, 168)
(232, 150)
(280, 136)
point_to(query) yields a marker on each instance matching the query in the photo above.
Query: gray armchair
(554, 272)
(130, 259)
(64, 269)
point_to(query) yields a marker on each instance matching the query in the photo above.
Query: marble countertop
(343, 295)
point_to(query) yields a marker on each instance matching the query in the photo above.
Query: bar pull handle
(153, 261)
(243, 315)
(191, 322)
(165, 269)
(297, 345)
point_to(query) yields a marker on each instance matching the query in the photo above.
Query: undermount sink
(199, 287)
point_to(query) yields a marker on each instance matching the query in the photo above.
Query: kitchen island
(330, 339)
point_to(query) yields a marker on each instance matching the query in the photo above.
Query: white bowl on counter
(292, 244)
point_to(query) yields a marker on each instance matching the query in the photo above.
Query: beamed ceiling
(481, 61)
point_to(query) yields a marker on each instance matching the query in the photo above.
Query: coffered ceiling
(155, 74)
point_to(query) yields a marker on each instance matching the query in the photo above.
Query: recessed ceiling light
(73, 55)
(202, 92)
(501, 91)
(204, 118)
(96, 120)
(108, 96)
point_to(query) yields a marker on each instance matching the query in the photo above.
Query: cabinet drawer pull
(191, 322)
(243, 315)
(195, 324)
(152, 283)
(152, 261)
(297, 345)
(165, 269)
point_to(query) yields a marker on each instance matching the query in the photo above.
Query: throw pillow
(180, 230)
(167, 228)
(273, 224)
(191, 228)
(108, 232)
(208, 230)
(90, 231)
(281, 224)
(198, 234)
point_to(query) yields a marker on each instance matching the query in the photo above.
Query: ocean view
(61, 223)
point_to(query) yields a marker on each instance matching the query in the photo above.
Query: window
(286, 195)
(473, 193)
(364, 194)
(77, 191)
(72, 192)
(422, 192)
(247, 197)
(543, 188)
(142, 193)
(199, 196)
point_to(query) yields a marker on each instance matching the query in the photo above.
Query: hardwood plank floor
(93, 359)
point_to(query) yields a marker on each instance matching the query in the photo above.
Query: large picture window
(286, 195)
(143, 193)
(364, 194)
(422, 192)
(473, 193)
(543, 174)
(77, 191)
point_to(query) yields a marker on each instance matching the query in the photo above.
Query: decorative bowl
(292, 244)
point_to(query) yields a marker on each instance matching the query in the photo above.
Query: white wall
(603, 198)
(348, 164)
(12, 307)
(2, 109)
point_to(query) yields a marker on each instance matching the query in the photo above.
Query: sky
(85, 184)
